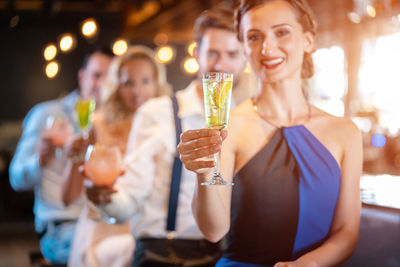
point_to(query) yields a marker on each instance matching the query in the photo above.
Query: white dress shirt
(143, 191)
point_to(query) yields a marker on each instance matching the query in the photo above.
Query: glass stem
(217, 167)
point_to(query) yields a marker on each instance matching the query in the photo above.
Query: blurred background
(357, 62)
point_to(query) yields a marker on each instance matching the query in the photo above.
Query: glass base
(217, 180)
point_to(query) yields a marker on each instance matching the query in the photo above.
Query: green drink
(84, 110)
(217, 91)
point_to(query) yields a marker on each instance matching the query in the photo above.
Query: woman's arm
(345, 226)
(211, 204)
(72, 185)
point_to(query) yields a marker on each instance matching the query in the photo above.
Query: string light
(191, 48)
(50, 52)
(165, 54)
(89, 28)
(67, 42)
(190, 65)
(52, 69)
(120, 47)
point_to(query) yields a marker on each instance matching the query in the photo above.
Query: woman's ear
(309, 42)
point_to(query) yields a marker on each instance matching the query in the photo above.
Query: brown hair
(220, 17)
(305, 17)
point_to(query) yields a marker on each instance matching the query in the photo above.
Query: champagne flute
(84, 109)
(58, 131)
(217, 91)
(103, 166)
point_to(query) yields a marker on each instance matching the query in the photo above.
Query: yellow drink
(217, 91)
(84, 110)
(217, 99)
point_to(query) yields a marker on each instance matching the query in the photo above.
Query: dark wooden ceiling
(142, 20)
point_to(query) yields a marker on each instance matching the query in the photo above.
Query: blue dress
(283, 200)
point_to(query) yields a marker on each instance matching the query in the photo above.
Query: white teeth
(272, 62)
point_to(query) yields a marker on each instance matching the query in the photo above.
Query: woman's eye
(128, 84)
(145, 80)
(253, 38)
(282, 33)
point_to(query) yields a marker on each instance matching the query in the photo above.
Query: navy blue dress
(283, 200)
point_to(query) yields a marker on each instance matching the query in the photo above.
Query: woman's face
(274, 41)
(137, 83)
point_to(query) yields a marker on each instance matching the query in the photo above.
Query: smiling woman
(296, 199)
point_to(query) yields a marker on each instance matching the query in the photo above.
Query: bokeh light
(120, 47)
(191, 48)
(50, 52)
(190, 65)
(52, 69)
(89, 28)
(67, 42)
(165, 54)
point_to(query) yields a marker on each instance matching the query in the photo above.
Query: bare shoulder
(242, 113)
(340, 128)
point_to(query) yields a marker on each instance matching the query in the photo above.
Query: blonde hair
(111, 105)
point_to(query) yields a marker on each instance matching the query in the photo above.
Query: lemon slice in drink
(223, 93)
(213, 92)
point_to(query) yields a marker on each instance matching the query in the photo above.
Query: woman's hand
(197, 145)
(98, 194)
(76, 145)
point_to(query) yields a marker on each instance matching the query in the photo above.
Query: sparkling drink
(217, 99)
(217, 91)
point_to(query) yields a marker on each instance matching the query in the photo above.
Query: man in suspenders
(155, 193)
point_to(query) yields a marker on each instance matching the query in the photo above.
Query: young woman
(133, 78)
(296, 169)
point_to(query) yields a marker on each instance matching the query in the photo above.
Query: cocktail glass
(217, 91)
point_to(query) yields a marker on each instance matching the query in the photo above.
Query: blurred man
(39, 160)
(144, 191)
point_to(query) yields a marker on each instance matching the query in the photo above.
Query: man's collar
(190, 103)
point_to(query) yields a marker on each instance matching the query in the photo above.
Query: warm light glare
(50, 52)
(248, 68)
(379, 86)
(89, 28)
(165, 54)
(191, 66)
(160, 39)
(371, 11)
(120, 47)
(354, 17)
(66, 42)
(191, 48)
(52, 69)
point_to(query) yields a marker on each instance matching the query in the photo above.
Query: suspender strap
(176, 172)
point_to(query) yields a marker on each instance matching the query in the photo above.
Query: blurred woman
(133, 78)
(296, 198)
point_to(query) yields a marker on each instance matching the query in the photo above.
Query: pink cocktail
(58, 130)
(103, 164)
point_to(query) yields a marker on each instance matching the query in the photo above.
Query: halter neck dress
(283, 200)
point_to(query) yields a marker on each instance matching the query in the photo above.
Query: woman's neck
(283, 102)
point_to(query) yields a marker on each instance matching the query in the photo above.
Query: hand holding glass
(103, 164)
(217, 91)
(58, 131)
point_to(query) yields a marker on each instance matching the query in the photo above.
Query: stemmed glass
(84, 109)
(103, 165)
(217, 91)
(58, 130)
